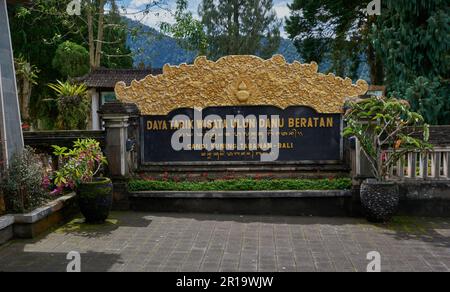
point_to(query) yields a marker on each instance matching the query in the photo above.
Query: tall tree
(413, 38)
(40, 27)
(336, 30)
(99, 26)
(237, 27)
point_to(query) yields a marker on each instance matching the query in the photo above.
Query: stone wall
(425, 198)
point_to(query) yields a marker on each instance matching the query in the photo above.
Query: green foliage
(386, 129)
(242, 185)
(413, 38)
(187, 30)
(72, 104)
(331, 29)
(37, 30)
(25, 70)
(22, 184)
(81, 164)
(71, 60)
(115, 51)
(240, 27)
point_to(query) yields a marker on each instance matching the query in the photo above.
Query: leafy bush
(72, 104)
(81, 164)
(242, 185)
(23, 184)
(386, 128)
(71, 60)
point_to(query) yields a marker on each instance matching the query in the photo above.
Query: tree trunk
(99, 41)
(91, 37)
(236, 26)
(376, 66)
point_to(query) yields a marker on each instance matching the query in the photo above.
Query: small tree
(26, 76)
(387, 130)
(81, 164)
(72, 104)
(71, 60)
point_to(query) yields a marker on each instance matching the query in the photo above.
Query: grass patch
(243, 185)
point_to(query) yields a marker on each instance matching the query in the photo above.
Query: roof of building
(107, 78)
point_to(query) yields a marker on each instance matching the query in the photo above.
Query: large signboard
(242, 134)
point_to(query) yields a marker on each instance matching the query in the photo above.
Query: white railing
(433, 165)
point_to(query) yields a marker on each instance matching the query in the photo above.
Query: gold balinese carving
(240, 80)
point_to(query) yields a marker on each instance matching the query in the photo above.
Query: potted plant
(387, 130)
(80, 171)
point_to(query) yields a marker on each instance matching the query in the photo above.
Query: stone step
(334, 203)
(246, 170)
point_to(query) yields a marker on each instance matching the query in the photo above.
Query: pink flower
(46, 182)
(57, 191)
(384, 156)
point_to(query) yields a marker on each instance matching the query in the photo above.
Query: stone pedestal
(117, 118)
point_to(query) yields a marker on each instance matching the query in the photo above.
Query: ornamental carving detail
(240, 80)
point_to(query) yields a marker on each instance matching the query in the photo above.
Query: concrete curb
(38, 221)
(241, 194)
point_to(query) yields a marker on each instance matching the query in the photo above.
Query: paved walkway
(181, 242)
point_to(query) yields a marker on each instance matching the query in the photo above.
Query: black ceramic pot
(380, 200)
(95, 200)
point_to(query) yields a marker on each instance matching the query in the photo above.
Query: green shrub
(23, 183)
(243, 185)
(71, 60)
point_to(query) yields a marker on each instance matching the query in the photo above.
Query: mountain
(154, 49)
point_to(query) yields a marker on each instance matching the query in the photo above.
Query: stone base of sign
(120, 195)
(287, 203)
(243, 170)
(42, 219)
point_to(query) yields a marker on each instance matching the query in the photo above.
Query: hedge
(242, 185)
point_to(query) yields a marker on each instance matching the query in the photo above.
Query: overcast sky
(163, 12)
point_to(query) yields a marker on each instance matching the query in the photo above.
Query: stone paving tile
(230, 243)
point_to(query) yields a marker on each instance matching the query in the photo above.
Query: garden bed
(298, 197)
(40, 220)
(242, 185)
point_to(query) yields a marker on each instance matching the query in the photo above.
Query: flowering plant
(81, 164)
(387, 130)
